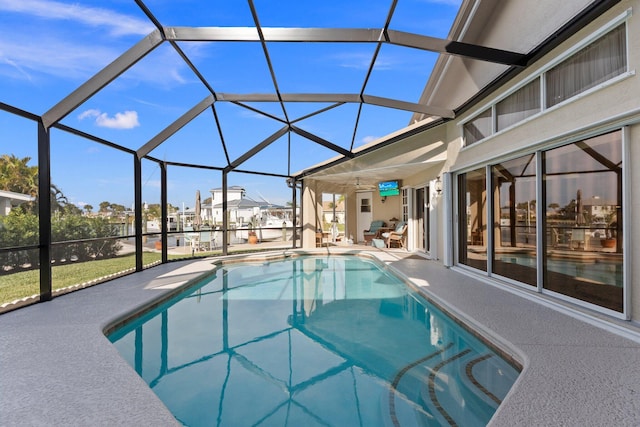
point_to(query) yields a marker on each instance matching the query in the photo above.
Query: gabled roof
(244, 203)
(230, 188)
(529, 28)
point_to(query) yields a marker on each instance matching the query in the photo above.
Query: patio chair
(374, 231)
(214, 238)
(397, 236)
(205, 239)
(191, 238)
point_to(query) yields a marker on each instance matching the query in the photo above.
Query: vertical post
(225, 220)
(294, 217)
(334, 221)
(164, 342)
(44, 210)
(449, 221)
(138, 354)
(225, 309)
(541, 223)
(163, 210)
(137, 177)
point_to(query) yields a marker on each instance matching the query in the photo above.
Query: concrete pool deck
(58, 368)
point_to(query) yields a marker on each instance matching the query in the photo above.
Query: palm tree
(58, 199)
(17, 176)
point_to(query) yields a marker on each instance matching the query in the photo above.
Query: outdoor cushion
(373, 230)
(375, 225)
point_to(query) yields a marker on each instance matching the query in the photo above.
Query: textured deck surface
(58, 368)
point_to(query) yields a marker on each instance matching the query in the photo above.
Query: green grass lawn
(26, 283)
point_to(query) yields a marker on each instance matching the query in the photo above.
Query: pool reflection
(326, 341)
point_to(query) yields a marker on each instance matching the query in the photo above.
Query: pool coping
(57, 366)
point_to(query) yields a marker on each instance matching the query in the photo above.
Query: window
(365, 205)
(405, 204)
(514, 203)
(596, 63)
(479, 128)
(581, 228)
(523, 103)
(583, 188)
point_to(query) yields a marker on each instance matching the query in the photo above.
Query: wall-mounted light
(384, 199)
(438, 186)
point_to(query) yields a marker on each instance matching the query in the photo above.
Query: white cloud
(74, 42)
(126, 120)
(71, 60)
(368, 139)
(116, 23)
(23, 73)
(358, 61)
(89, 114)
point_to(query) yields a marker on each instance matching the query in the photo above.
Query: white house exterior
(522, 136)
(239, 207)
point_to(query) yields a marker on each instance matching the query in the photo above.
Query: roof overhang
(399, 155)
(457, 82)
(16, 197)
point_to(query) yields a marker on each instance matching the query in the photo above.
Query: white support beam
(408, 106)
(175, 126)
(101, 79)
(247, 34)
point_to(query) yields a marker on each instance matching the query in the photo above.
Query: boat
(273, 223)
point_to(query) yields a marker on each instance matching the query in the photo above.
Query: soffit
(517, 26)
(399, 160)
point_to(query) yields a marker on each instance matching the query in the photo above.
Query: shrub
(20, 228)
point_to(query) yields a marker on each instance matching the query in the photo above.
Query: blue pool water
(312, 341)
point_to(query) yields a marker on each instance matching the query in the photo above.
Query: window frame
(539, 73)
(538, 149)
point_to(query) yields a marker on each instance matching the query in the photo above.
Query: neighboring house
(599, 209)
(10, 200)
(328, 211)
(240, 208)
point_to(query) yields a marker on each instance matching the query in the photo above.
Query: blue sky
(49, 48)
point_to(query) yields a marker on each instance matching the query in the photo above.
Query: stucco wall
(312, 206)
(610, 107)
(583, 114)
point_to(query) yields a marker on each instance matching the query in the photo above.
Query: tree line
(20, 228)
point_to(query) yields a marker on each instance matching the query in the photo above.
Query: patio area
(58, 368)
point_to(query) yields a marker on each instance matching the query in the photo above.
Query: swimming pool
(331, 340)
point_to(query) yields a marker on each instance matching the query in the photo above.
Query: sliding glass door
(472, 214)
(583, 227)
(514, 210)
(421, 216)
(565, 211)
